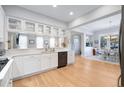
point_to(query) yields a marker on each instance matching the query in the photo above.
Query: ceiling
(109, 22)
(61, 12)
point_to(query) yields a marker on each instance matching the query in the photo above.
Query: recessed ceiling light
(54, 5)
(71, 13)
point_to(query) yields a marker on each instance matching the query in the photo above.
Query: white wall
(20, 12)
(2, 15)
(99, 13)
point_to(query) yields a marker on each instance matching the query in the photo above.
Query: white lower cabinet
(31, 64)
(71, 57)
(18, 67)
(24, 65)
(54, 60)
(45, 61)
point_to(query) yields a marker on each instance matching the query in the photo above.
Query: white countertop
(19, 52)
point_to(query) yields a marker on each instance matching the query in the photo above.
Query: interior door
(76, 44)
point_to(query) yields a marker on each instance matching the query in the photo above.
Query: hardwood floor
(84, 73)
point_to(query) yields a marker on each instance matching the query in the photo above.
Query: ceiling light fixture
(54, 5)
(71, 13)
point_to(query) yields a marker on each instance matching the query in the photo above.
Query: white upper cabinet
(41, 28)
(47, 30)
(29, 26)
(14, 24)
(55, 31)
(61, 33)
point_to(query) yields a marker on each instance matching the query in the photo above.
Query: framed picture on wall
(31, 42)
(96, 41)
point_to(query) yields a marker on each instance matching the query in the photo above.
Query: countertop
(20, 52)
(5, 69)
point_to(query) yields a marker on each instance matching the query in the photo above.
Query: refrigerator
(121, 49)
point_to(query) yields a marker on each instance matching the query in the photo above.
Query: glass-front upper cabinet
(29, 26)
(14, 24)
(41, 28)
(47, 30)
(55, 31)
(60, 34)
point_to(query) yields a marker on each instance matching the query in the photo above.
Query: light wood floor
(83, 73)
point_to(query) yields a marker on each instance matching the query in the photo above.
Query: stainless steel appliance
(3, 62)
(62, 59)
(2, 50)
(121, 49)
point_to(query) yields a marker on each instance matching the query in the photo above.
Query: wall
(19, 12)
(1, 23)
(97, 34)
(2, 27)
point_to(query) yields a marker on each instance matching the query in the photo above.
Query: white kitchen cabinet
(29, 26)
(14, 24)
(55, 32)
(61, 33)
(18, 67)
(32, 64)
(41, 28)
(49, 61)
(47, 30)
(45, 61)
(53, 60)
(71, 57)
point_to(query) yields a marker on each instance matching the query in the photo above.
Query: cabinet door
(45, 64)
(55, 31)
(14, 24)
(30, 26)
(71, 57)
(47, 30)
(31, 64)
(41, 28)
(61, 33)
(54, 60)
(18, 67)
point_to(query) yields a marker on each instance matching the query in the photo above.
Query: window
(22, 41)
(52, 42)
(39, 42)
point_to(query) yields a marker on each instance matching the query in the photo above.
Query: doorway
(76, 44)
